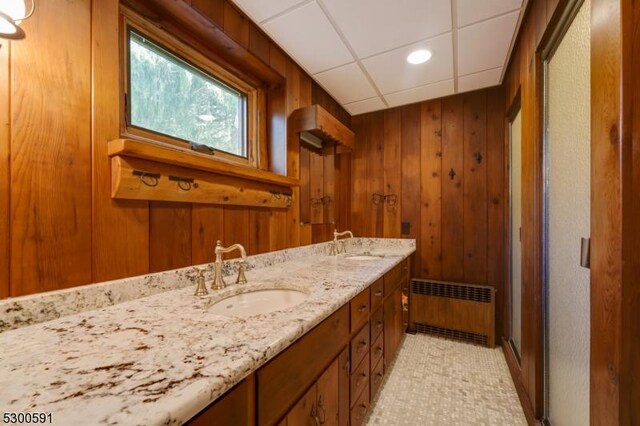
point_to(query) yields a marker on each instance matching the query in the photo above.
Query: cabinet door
(398, 319)
(235, 408)
(304, 413)
(328, 391)
(344, 380)
(389, 312)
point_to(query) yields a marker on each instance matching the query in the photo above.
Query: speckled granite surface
(147, 356)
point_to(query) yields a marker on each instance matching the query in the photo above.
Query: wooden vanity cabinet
(286, 378)
(235, 408)
(328, 376)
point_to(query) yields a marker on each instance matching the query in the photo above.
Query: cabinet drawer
(377, 374)
(393, 278)
(360, 380)
(359, 346)
(285, 378)
(360, 408)
(376, 324)
(377, 350)
(359, 310)
(377, 294)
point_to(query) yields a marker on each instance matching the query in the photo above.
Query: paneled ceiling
(357, 49)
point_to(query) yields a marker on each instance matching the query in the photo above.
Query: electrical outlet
(406, 228)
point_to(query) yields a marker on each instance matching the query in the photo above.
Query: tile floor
(435, 381)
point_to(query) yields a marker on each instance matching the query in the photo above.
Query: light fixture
(419, 56)
(12, 13)
(311, 139)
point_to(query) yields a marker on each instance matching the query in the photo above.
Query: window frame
(131, 21)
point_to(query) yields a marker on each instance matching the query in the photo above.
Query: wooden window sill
(153, 171)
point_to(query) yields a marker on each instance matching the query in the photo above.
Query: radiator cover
(453, 310)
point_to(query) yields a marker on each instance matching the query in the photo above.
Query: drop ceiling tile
(346, 83)
(374, 26)
(391, 72)
(259, 10)
(418, 94)
(306, 34)
(485, 45)
(470, 11)
(368, 105)
(479, 80)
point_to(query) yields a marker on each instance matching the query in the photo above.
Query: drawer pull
(362, 308)
(362, 345)
(378, 293)
(363, 409)
(379, 324)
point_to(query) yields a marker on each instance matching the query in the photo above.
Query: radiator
(457, 311)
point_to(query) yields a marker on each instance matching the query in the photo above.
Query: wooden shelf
(150, 171)
(177, 156)
(319, 122)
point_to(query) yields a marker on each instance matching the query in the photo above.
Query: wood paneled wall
(59, 107)
(444, 162)
(524, 77)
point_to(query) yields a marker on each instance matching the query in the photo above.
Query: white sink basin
(258, 302)
(363, 257)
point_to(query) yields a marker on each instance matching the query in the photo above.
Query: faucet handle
(201, 286)
(333, 248)
(242, 279)
(342, 247)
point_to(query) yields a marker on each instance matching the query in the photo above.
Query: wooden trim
(132, 20)
(5, 175)
(205, 33)
(205, 188)
(169, 154)
(516, 375)
(318, 121)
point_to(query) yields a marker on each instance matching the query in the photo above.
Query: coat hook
(452, 174)
(478, 157)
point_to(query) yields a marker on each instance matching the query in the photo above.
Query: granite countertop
(162, 358)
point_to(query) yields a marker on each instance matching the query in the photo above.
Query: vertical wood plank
(5, 176)
(392, 177)
(496, 207)
(431, 190)
(329, 189)
(51, 150)
(316, 187)
(120, 230)
(343, 191)
(475, 187)
(278, 59)
(236, 228)
(452, 209)
(305, 188)
(260, 238)
(411, 174)
(375, 175)
(359, 206)
(258, 43)
(213, 9)
(206, 228)
(169, 236)
(236, 25)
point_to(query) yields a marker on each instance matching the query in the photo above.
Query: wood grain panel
(392, 178)
(305, 185)
(329, 188)
(5, 175)
(206, 228)
(259, 228)
(452, 197)
(410, 199)
(359, 198)
(169, 236)
(236, 228)
(51, 151)
(475, 188)
(213, 9)
(316, 187)
(237, 407)
(496, 203)
(236, 25)
(606, 212)
(259, 43)
(375, 176)
(343, 191)
(119, 226)
(431, 190)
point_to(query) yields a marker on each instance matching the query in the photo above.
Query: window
(169, 96)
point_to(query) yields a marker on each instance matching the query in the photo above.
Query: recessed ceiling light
(419, 56)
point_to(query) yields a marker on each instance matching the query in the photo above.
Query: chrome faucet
(218, 281)
(335, 248)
